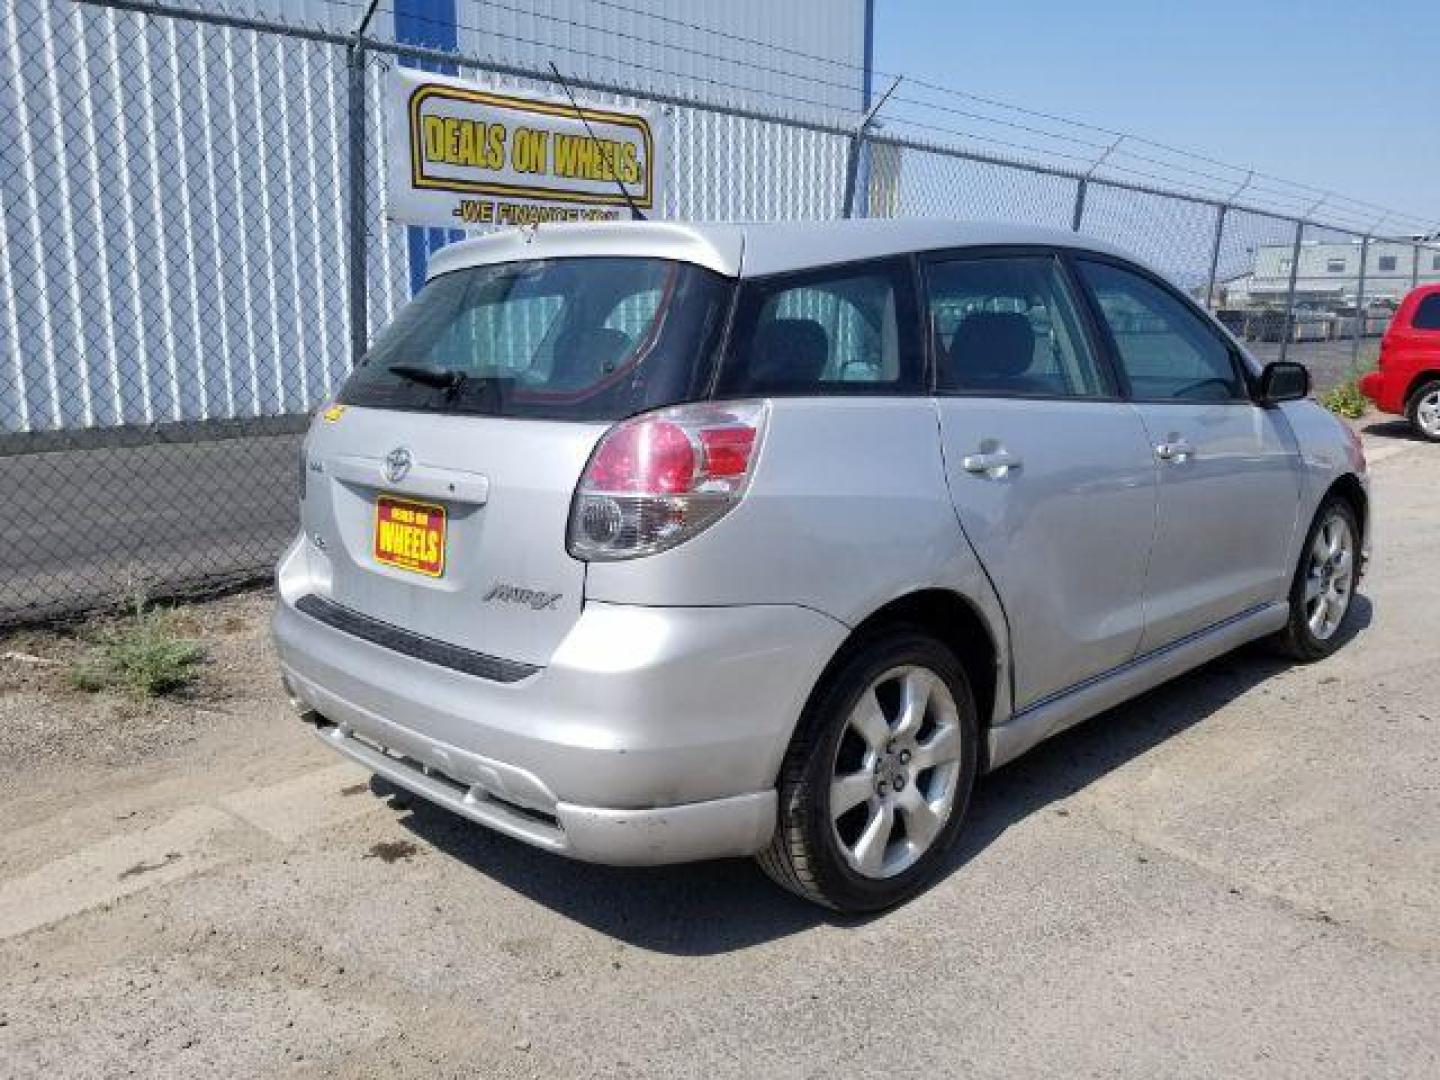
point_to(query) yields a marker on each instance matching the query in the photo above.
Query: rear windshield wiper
(441, 378)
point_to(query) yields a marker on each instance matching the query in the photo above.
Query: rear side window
(560, 339)
(1427, 315)
(1166, 350)
(1008, 326)
(842, 330)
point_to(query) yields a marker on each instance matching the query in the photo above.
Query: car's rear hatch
(468, 546)
(439, 487)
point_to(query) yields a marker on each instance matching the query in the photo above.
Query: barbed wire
(1113, 133)
(1290, 197)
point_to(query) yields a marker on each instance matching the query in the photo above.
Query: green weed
(143, 655)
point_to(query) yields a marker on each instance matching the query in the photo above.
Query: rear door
(1229, 477)
(438, 490)
(1050, 471)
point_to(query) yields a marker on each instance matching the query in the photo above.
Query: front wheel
(878, 777)
(1323, 591)
(1423, 410)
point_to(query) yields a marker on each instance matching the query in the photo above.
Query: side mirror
(1284, 380)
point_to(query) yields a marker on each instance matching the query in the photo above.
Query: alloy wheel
(1427, 414)
(1329, 576)
(896, 771)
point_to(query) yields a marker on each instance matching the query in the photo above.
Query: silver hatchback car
(652, 542)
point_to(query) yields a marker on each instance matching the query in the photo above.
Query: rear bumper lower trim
(411, 644)
(739, 825)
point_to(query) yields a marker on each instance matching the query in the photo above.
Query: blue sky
(1344, 96)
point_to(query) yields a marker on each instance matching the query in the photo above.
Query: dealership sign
(462, 155)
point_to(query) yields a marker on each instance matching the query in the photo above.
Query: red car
(1407, 380)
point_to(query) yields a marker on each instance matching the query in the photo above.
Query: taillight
(656, 480)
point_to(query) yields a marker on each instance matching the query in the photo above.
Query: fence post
(1215, 256)
(357, 243)
(852, 155)
(1082, 184)
(1415, 266)
(1289, 325)
(1360, 319)
(852, 172)
(1079, 214)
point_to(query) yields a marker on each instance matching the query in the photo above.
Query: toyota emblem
(397, 464)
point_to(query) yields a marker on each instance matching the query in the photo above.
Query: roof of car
(751, 249)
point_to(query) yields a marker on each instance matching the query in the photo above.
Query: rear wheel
(1423, 410)
(878, 777)
(1324, 587)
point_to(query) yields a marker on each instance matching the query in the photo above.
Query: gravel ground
(47, 722)
(1237, 875)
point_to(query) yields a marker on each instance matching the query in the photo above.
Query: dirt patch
(48, 722)
(390, 851)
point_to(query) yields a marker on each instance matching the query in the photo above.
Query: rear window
(1427, 315)
(559, 339)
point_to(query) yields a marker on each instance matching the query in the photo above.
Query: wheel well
(1417, 382)
(1348, 487)
(952, 620)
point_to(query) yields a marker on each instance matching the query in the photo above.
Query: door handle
(1176, 450)
(995, 463)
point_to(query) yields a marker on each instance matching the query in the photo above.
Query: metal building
(1329, 273)
(205, 167)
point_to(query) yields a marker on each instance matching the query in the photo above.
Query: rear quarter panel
(848, 509)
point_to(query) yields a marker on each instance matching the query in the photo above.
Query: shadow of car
(720, 906)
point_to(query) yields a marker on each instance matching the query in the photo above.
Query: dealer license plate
(410, 535)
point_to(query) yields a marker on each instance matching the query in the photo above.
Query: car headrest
(788, 352)
(991, 345)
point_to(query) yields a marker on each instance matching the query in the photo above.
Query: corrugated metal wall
(172, 220)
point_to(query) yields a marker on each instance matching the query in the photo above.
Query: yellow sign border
(419, 180)
(380, 496)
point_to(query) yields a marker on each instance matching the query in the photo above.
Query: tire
(1423, 410)
(929, 762)
(1302, 639)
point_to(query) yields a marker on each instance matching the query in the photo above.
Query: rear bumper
(738, 825)
(1385, 393)
(653, 735)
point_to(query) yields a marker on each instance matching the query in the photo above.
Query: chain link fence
(193, 246)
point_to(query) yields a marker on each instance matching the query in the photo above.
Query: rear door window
(1008, 326)
(841, 330)
(567, 339)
